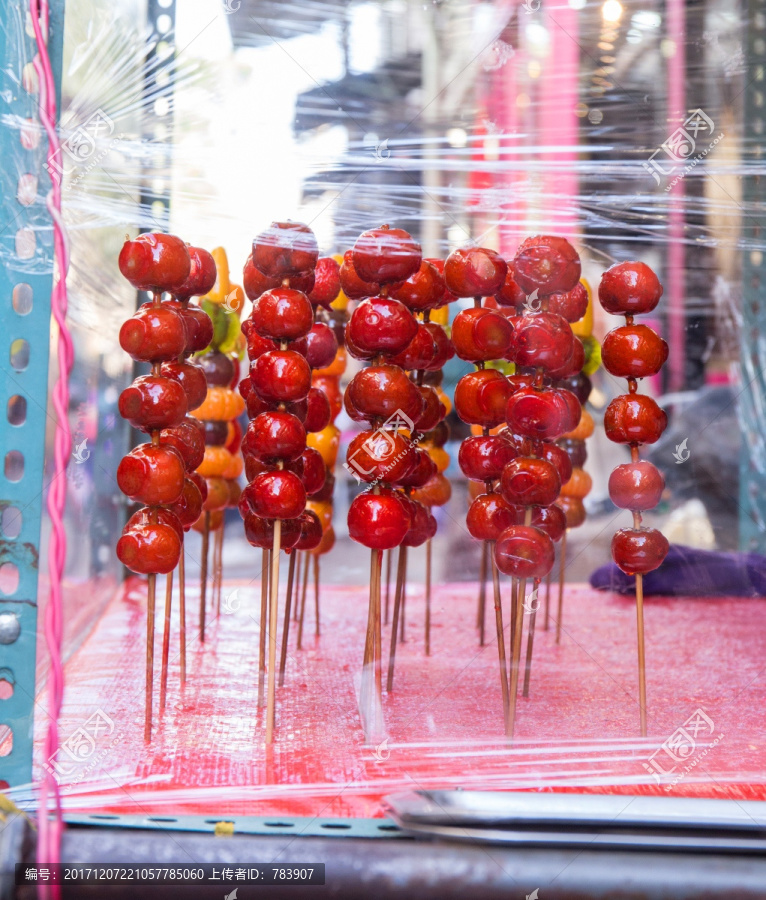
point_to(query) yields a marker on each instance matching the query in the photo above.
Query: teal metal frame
(24, 391)
(295, 826)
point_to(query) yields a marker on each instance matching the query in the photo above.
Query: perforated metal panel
(26, 266)
(752, 523)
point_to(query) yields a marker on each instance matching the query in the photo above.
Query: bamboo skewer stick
(166, 641)
(562, 577)
(401, 576)
(514, 604)
(316, 594)
(516, 654)
(641, 652)
(286, 626)
(369, 650)
(547, 601)
(531, 636)
(265, 573)
(500, 641)
(182, 612)
(218, 569)
(378, 640)
(149, 658)
(297, 604)
(402, 638)
(428, 597)
(203, 575)
(273, 623)
(481, 611)
(303, 598)
(389, 554)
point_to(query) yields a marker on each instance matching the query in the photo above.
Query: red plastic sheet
(577, 731)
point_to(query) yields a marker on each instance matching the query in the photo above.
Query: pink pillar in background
(557, 123)
(676, 19)
(503, 111)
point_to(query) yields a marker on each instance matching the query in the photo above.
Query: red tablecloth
(578, 730)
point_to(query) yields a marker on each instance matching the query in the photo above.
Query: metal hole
(9, 578)
(17, 410)
(10, 522)
(335, 825)
(19, 354)
(6, 684)
(29, 80)
(26, 189)
(13, 468)
(26, 243)
(278, 824)
(102, 816)
(160, 819)
(6, 740)
(22, 298)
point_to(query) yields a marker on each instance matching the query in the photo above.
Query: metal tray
(595, 821)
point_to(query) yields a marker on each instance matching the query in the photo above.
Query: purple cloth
(689, 572)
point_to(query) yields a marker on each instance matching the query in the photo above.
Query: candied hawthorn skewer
(480, 335)
(274, 501)
(381, 394)
(153, 473)
(542, 341)
(633, 352)
(327, 359)
(219, 359)
(425, 294)
(199, 333)
(576, 307)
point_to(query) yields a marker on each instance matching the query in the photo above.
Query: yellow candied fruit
(578, 486)
(326, 442)
(235, 467)
(222, 287)
(445, 400)
(217, 460)
(323, 509)
(341, 301)
(583, 431)
(336, 368)
(440, 316)
(584, 327)
(222, 404)
(439, 455)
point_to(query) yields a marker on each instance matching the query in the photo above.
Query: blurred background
(632, 128)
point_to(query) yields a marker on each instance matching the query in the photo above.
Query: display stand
(26, 280)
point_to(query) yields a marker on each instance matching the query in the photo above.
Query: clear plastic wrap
(625, 126)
